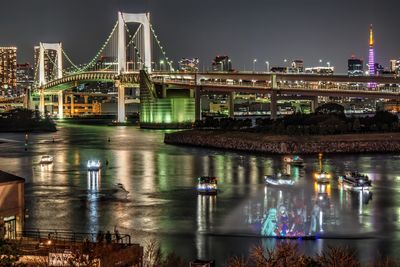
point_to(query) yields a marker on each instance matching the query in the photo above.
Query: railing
(67, 237)
(267, 85)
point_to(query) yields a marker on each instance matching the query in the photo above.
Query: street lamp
(320, 61)
(267, 65)
(329, 64)
(161, 65)
(254, 64)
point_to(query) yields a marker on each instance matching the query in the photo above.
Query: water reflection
(206, 206)
(93, 186)
(161, 181)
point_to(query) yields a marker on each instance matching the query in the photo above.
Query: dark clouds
(264, 29)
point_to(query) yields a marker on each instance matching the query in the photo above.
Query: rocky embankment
(281, 144)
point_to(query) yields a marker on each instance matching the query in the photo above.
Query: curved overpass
(128, 79)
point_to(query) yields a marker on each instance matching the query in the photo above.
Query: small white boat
(279, 179)
(46, 159)
(293, 160)
(355, 181)
(323, 177)
(93, 165)
(207, 185)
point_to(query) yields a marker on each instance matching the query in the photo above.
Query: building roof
(6, 178)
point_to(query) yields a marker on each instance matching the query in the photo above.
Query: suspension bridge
(132, 56)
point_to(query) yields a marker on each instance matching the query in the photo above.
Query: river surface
(162, 202)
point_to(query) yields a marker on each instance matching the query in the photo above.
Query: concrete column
(121, 101)
(274, 105)
(60, 105)
(231, 104)
(27, 98)
(86, 101)
(197, 104)
(314, 104)
(72, 104)
(41, 101)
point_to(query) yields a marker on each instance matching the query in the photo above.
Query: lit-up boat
(279, 179)
(355, 181)
(322, 177)
(93, 165)
(294, 160)
(207, 185)
(46, 159)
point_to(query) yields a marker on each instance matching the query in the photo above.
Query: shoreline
(284, 144)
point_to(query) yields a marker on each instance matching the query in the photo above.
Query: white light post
(267, 65)
(161, 65)
(254, 64)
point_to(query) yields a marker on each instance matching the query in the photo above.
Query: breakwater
(283, 144)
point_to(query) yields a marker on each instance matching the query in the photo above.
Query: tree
(330, 108)
(9, 254)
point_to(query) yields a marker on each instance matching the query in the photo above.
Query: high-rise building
(8, 70)
(395, 65)
(355, 66)
(189, 64)
(297, 66)
(25, 77)
(221, 63)
(371, 53)
(50, 63)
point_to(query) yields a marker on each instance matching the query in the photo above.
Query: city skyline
(296, 34)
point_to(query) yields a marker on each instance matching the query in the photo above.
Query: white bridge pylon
(144, 20)
(49, 46)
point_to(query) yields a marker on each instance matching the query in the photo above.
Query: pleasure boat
(293, 160)
(355, 181)
(93, 165)
(322, 177)
(279, 179)
(207, 185)
(46, 159)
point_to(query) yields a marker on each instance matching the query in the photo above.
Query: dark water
(163, 203)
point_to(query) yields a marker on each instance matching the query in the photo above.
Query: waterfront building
(355, 66)
(25, 77)
(8, 70)
(320, 70)
(279, 69)
(50, 63)
(12, 205)
(189, 64)
(221, 63)
(371, 53)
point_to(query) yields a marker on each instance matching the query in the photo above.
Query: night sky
(271, 30)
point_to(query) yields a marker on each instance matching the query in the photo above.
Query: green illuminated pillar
(231, 104)
(197, 103)
(273, 105)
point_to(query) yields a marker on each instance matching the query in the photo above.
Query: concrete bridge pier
(121, 101)
(314, 103)
(60, 105)
(273, 105)
(231, 104)
(27, 98)
(197, 105)
(41, 101)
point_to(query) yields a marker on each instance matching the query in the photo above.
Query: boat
(93, 165)
(46, 159)
(322, 177)
(279, 179)
(293, 160)
(355, 181)
(207, 185)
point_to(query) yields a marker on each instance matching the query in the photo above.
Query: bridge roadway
(273, 84)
